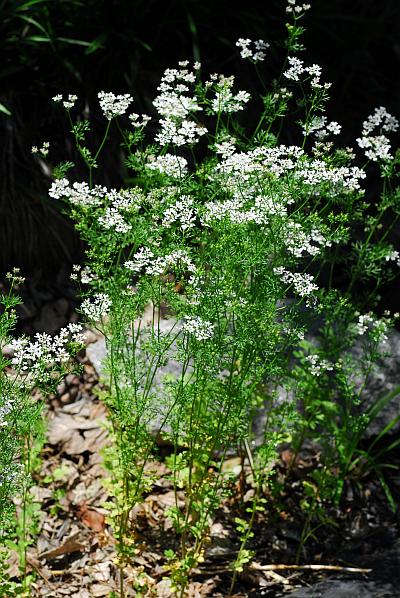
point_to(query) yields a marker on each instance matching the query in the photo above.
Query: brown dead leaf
(70, 545)
(287, 457)
(64, 424)
(91, 518)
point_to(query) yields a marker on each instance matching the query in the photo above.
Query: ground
(74, 554)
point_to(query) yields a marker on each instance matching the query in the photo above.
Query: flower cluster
(296, 9)
(199, 328)
(136, 122)
(377, 147)
(84, 275)
(321, 128)
(169, 164)
(380, 119)
(185, 132)
(225, 147)
(78, 194)
(6, 408)
(393, 256)
(97, 307)
(225, 100)
(240, 168)
(376, 327)
(257, 54)
(238, 210)
(317, 365)
(145, 259)
(68, 103)
(30, 357)
(181, 211)
(43, 151)
(298, 242)
(115, 204)
(174, 106)
(303, 284)
(114, 105)
(297, 69)
(244, 168)
(317, 172)
(175, 83)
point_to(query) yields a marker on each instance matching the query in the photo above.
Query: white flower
(136, 123)
(7, 406)
(246, 52)
(70, 103)
(30, 357)
(84, 275)
(295, 70)
(97, 307)
(380, 119)
(162, 263)
(182, 212)
(334, 127)
(179, 132)
(199, 328)
(114, 105)
(172, 101)
(169, 164)
(141, 259)
(293, 8)
(377, 147)
(368, 322)
(112, 219)
(172, 105)
(225, 100)
(318, 365)
(43, 151)
(321, 128)
(298, 242)
(393, 256)
(225, 148)
(157, 265)
(60, 188)
(303, 284)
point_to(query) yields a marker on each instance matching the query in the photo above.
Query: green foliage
(34, 366)
(219, 260)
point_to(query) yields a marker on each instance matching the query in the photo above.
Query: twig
(35, 566)
(278, 567)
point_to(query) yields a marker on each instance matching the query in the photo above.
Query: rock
(72, 380)
(52, 317)
(345, 588)
(383, 380)
(97, 353)
(90, 337)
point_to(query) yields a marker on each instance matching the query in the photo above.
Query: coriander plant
(33, 370)
(207, 273)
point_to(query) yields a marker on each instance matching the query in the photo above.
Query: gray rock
(96, 352)
(382, 381)
(52, 317)
(344, 588)
(157, 409)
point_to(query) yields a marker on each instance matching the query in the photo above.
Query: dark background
(83, 46)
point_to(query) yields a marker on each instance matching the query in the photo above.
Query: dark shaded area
(76, 46)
